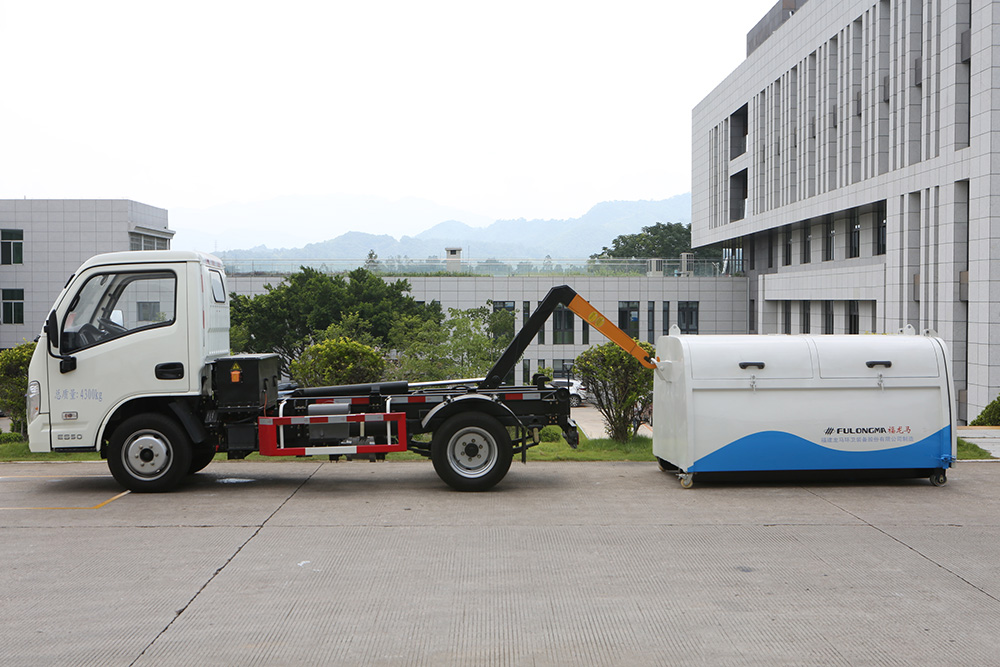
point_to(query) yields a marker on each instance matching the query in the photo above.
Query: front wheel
(471, 452)
(149, 453)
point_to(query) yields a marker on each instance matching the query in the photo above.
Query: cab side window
(111, 305)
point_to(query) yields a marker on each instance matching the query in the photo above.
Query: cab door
(126, 327)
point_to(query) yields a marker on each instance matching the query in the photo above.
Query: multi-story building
(43, 241)
(849, 161)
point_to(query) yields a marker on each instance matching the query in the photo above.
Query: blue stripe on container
(777, 450)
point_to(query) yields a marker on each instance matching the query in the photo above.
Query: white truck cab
(127, 331)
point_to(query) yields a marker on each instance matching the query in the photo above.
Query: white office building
(43, 241)
(645, 304)
(849, 162)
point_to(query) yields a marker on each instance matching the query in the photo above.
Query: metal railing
(490, 267)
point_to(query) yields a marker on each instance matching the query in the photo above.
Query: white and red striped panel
(268, 434)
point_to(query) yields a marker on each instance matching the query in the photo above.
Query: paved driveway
(563, 563)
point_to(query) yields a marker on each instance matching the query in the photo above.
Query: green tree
(14, 383)
(292, 316)
(420, 352)
(477, 337)
(657, 240)
(466, 345)
(621, 387)
(337, 361)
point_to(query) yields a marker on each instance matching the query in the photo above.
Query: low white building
(849, 160)
(43, 241)
(644, 304)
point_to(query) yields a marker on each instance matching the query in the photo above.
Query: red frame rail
(268, 434)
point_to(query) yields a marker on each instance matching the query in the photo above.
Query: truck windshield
(110, 305)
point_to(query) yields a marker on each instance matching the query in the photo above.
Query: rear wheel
(149, 453)
(471, 452)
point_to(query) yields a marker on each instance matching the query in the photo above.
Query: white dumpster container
(770, 403)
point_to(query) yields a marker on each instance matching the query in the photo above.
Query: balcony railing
(489, 267)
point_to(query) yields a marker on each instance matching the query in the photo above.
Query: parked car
(577, 392)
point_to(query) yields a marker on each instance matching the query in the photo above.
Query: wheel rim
(472, 452)
(147, 454)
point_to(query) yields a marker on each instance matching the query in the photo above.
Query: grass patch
(18, 451)
(598, 449)
(968, 450)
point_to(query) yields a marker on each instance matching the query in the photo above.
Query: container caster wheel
(687, 480)
(939, 477)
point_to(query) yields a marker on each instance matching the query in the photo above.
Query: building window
(562, 325)
(666, 318)
(752, 253)
(586, 333)
(148, 311)
(854, 241)
(138, 241)
(628, 318)
(11, 246)
(786, 327)
(687, 316)
(879, 229)
(752, 315)
(806, 316)
(828, 317)
(562, 368)
(770, 249)
(829, 237)
(853, 318)
(504, 328)
(651, 321)
(807, 238)
(13, 306)
(541, 334)
(525, 312)
(786, 256)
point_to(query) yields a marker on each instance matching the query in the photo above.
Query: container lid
(739, 357)
(869, 356)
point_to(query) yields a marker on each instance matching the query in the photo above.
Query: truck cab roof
(147, 256)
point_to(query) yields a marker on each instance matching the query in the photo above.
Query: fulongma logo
(858, 430)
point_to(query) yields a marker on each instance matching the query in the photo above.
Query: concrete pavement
(309, 562)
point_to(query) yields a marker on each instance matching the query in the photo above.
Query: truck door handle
(172, 370)
(873, 364)
(750, 364)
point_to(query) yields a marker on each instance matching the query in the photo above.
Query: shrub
(990, 416)
(14, 383)
(550, 434)
(620, 386)
(7, 438)
(337, 361)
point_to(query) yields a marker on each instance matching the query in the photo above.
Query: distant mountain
(506, 239)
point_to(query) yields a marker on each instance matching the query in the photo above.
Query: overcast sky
(533, 109)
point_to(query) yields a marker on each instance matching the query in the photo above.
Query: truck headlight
(34, 400)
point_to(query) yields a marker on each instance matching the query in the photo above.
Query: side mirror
(52, 330)
(67, 363)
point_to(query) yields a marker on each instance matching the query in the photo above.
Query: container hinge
(753, 382)
(948, 460)
(881, 382)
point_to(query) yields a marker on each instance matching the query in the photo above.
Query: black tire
(149, 453)
(200, 458)
(574, 401)
(471, 452)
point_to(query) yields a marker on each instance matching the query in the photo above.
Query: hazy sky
(533, 109)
